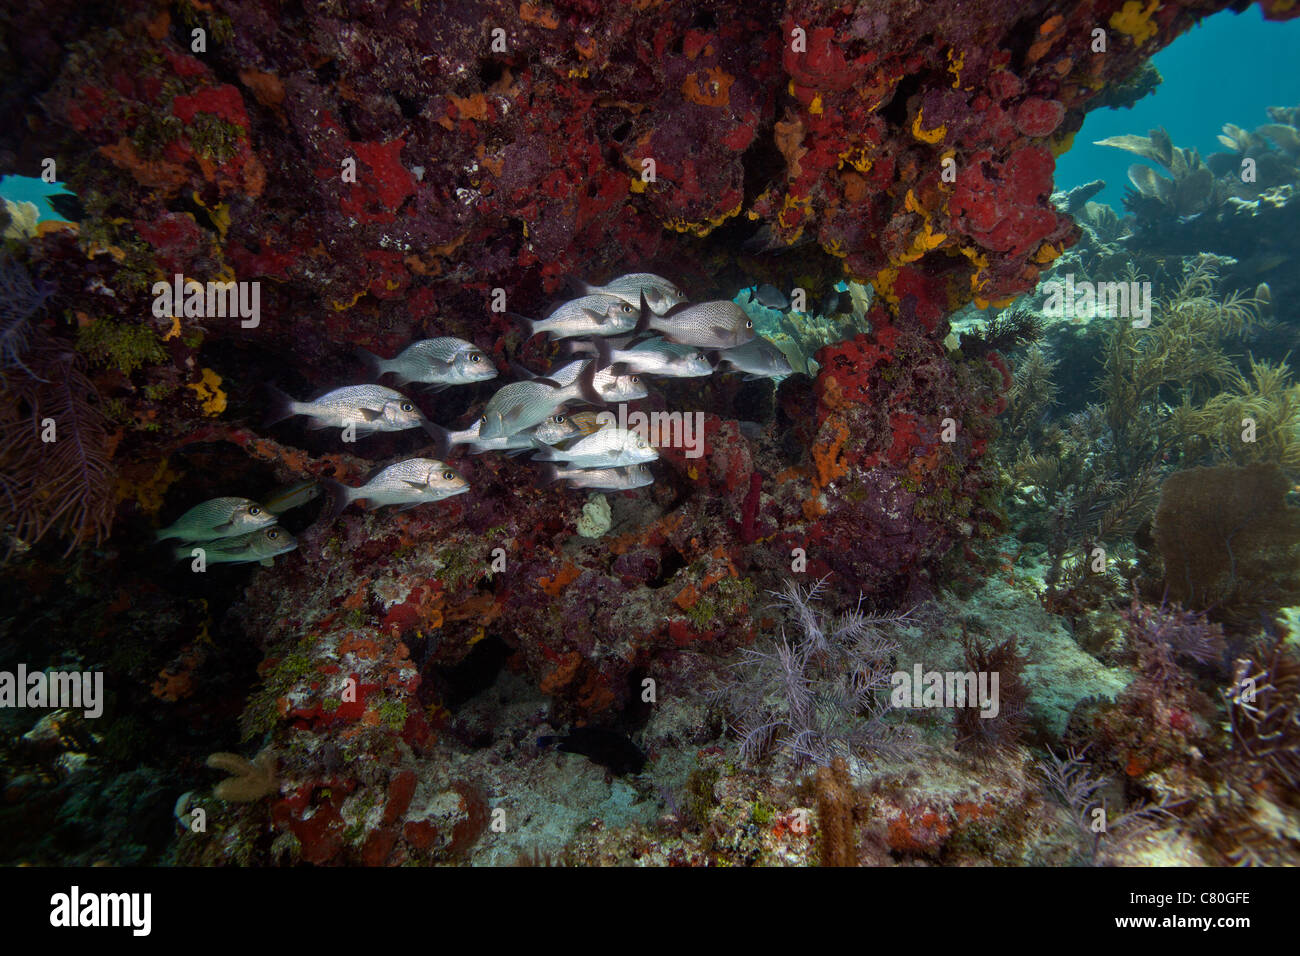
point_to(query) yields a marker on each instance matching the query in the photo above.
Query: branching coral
(20, 299)
(981, 735)
(1264, 712)
(55, 473)
(823, 695)
(249, 780)
(1072, 784)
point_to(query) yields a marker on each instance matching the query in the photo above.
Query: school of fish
(616, 335)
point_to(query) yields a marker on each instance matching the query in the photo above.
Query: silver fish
(555, 429)
(589, 315)
(656, 357)
(612, 384)
(711, 325)
(660, 294)
(292, 496)
(606, 479)
(371, 408)
(608, 448)
(521, 405)
(218, 518)
(261, 545)
(758, 358)
(407, 483)
(441, 361)
(558, 428)
(770, 296)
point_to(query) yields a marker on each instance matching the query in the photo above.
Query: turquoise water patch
(33, 190)
(1201, 91)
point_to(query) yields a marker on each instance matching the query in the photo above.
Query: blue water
(29, 189)
(1226, 70)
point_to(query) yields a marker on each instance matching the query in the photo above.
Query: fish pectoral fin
(409, 505)
(223, 526)
(370, 414)
(417, 485)
(266, 562)
(600, 318)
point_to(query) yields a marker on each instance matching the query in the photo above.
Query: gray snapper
(660, 294)
(608, 448)
(656, 357)
(371, 408)
(601, 479)
(521, 405)
(555, 429)
(720, 324)
(613, 384)
(757, 358)
(589, 315)
(439, 362)
(218, 518)
(261, 546)
(407, 483)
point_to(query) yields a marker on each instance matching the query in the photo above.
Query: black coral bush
(821, 688)
(55, 473)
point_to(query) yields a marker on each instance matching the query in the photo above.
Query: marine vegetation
(820, 692)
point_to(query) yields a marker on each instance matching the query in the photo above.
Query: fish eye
(254, 511)
(626, 307)
(559, 419)
(407, 406)
(273, 535)
(483, 420)
(636, 379)
(475, 357)
(749, 324)
(448, 475)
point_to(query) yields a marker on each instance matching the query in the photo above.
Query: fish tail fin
(643, 320)
(604, 353)
(162, 534)
(548, 473)
(526, 325)
(521, 371)
(183, 552)
(587, 385)
(374, 364)
(578, 287)
(441, 439)
(578, 348)
(337, 497)
(282, 406)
